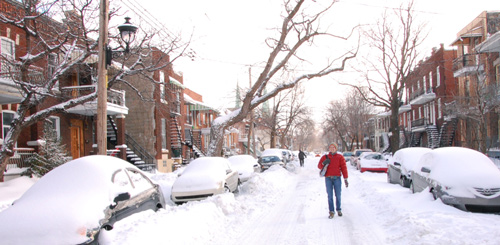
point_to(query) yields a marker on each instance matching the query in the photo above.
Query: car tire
(434, 194)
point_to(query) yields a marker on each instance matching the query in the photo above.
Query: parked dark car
(402, 163)
(460, 177)
(267, 161)
(73, 202)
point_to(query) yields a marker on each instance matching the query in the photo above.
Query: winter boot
(331, 215)
(340, 213)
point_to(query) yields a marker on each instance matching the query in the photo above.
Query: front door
(76, 138)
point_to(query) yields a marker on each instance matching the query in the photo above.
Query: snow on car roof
(457, 166)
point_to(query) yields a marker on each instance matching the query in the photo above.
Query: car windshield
(373, 156)
(347, 154)
(359, 153)
(270, 159)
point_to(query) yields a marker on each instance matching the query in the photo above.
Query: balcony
(115, 105)
(422, 96)
(10, 92)
(419, 125)
(466, 65)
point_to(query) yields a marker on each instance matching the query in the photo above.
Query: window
(163, 88)
(7, 50)
(430, 79)
(440, 113)
(438, 77)
(7, 118)
(163, 133)
(56, 125)
(424, 84)
(51, 64)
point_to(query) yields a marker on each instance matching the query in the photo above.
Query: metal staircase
(432, 136)
(415, 139)
(447, 132)
(136, 155)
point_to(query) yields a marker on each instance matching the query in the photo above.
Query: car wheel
(402, 181)
(434, 194)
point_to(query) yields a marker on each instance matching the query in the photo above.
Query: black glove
(346, 183)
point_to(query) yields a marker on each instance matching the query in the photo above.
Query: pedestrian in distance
(302, 155)
(334, 171)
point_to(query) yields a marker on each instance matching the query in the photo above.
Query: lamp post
(127, 34)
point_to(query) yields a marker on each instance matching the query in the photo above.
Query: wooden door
(76, 129)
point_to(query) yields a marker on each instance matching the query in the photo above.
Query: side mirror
(425, 170)
(397, 164)
(121, 197)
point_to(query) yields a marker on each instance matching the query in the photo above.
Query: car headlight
(89, 233)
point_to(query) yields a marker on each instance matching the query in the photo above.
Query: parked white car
(204, 177)
(461, 177)
(246, 166)
(402, 163)
(372, 161)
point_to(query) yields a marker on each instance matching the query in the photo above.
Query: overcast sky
(229, 35)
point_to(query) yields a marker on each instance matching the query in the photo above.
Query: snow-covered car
(347, 156)
(267, 161)
(355, 156)
(73, 202)
(283, 154)
(246, 166)
(460, 177)
(204, 177)
(402, 163)
(372, 161)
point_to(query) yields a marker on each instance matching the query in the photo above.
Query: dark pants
(301, 162)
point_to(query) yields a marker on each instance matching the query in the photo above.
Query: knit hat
(334, 144)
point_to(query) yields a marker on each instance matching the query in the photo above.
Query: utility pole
(102, 75)
(250, 129)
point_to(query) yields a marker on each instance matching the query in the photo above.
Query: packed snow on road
(281, 206)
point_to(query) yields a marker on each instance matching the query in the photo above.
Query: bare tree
(73, 41)
(345, 118)
(298, 29)
(396, 46)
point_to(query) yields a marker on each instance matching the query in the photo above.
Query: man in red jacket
(335, 170)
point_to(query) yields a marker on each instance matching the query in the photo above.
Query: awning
(177, 83)
(465, 39)
(492, 44)
(200, 107)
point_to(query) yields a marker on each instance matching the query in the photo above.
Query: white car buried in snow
(246, 166)
(372, 161)
(204, 177)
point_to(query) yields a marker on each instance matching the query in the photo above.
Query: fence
(19, 158)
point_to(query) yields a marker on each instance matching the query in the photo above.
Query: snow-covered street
(282, 207)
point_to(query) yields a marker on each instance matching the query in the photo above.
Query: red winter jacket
(337, 165)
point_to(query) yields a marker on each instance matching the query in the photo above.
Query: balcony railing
(419, 122)
(415, 94)
(114, 96)
(466, 64)
(19, 158)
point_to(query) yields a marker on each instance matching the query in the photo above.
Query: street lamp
(127, 34)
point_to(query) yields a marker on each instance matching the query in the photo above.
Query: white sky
(229, 36)
(282, 207)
